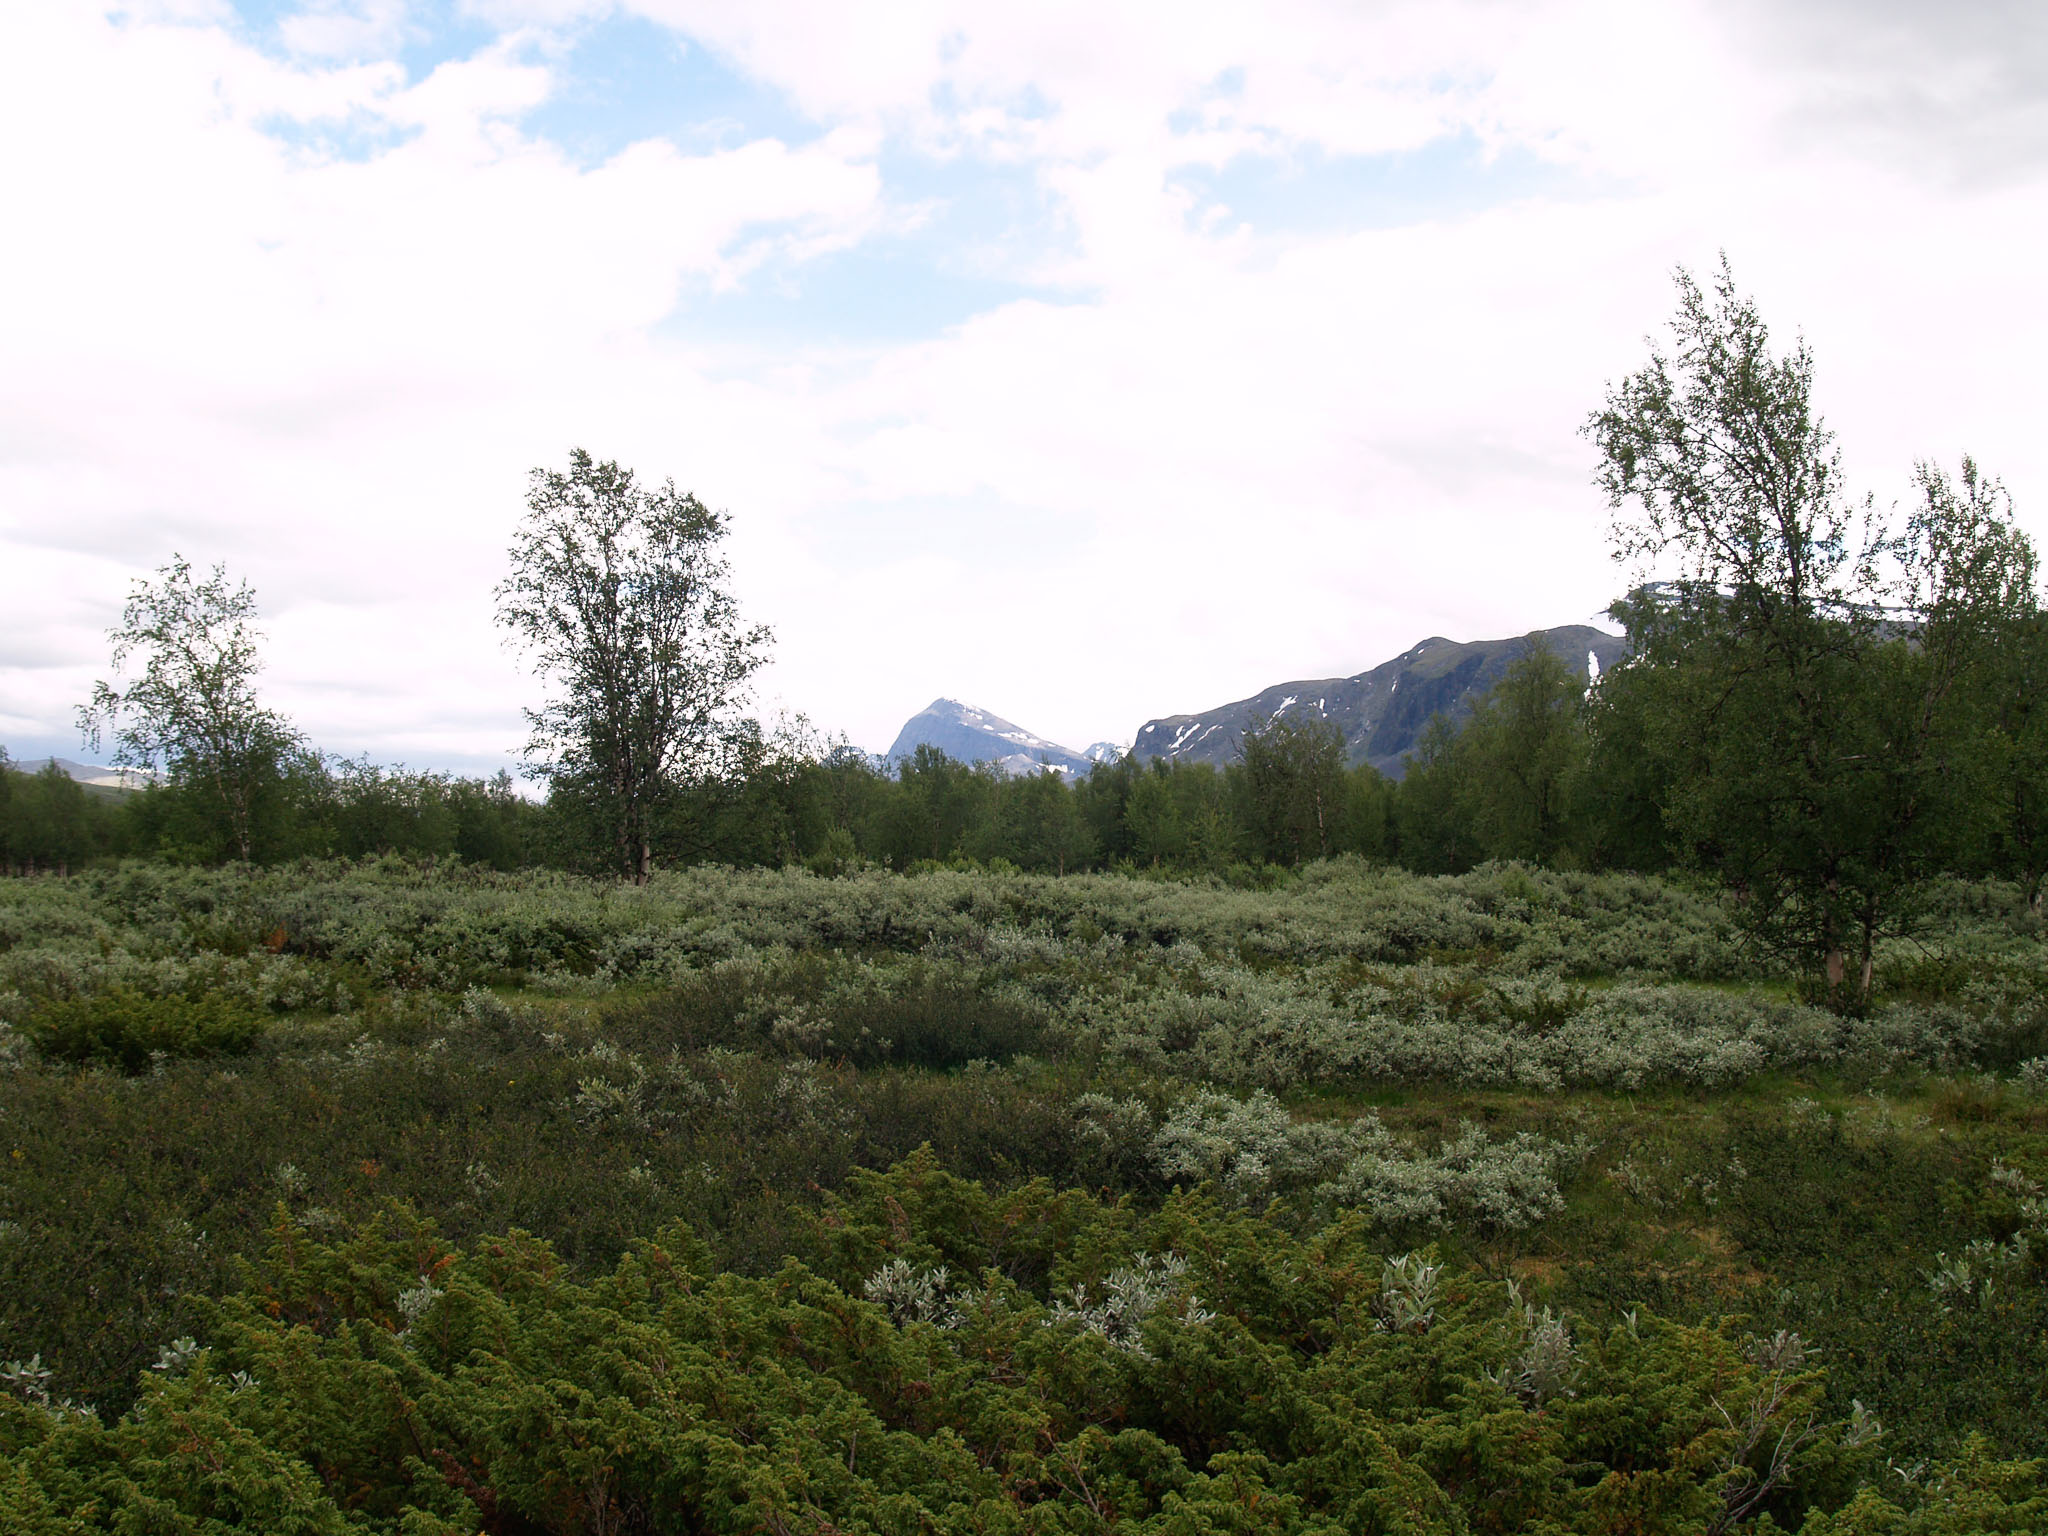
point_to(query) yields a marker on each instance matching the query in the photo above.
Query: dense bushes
(131, 1029)
(915, 1012)
(1579, 1081)
(1192, 1371)
(1253, 1149)
(400, 925)
(1346, 975)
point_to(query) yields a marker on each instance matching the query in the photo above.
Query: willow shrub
(732, 1048)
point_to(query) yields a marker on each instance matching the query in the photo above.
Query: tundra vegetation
(1636, 1119)
(377, 1196)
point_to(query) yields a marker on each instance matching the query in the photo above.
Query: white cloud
(305, 314)
(346, 29)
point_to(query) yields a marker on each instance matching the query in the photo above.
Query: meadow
(399, 1197)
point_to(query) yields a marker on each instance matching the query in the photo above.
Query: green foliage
(361, 810)
(1581, 1080)
(1291, 781)
(131, 1029)
(1253, 1149)
(1521, 753)
(621, 598)
(192, 709)
(1433, 829)
(1815, 694)
(935, 804)
(1190, 1371)
(935, 1014)
(299, 806)
(1033, 823)
(49, 821)
(1509, 782)
(1178, 817)
(1974, 1493)
(1625, 782)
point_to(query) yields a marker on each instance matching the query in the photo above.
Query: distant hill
(1381, 712)
(971, 735)
(92, 774)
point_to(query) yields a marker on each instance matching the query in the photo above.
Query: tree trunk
(627, 826)
(1869, 957)
(1838, 960)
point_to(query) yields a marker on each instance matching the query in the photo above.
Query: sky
(1086, 362)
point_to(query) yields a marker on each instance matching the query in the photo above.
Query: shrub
(915, 1012)
(392, 1381)
(756, 1039)
(1252, 1149)
(130, 1029)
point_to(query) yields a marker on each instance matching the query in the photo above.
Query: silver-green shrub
(1468, 1180)
(1253, 1151)
(1131, 1297)
(910, 1294)
(1545, 1363)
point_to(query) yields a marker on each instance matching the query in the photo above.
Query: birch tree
(622, 602)
(191, 710)
(1813, 681)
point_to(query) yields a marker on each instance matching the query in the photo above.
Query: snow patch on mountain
(969, 734)
(1383, 711)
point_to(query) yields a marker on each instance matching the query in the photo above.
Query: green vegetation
(1819, 697)
(1347, 1199)
(193, 705)
(1636, 1119)
(130, 1029)
(620, 597)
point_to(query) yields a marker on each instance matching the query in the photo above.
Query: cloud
(1281, 331)
(346, 29)
(1956, 93)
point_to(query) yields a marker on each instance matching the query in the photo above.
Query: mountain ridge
(1380, 722)
(1382, 711)
(92, 775)
(972, 735)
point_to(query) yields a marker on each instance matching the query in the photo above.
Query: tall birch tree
(1812, 683)
(622, 602)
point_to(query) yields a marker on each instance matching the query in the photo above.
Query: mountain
(87, 773)
(971, 735)
(1381, 712)
(1106, 752)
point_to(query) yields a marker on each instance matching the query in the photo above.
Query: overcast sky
(1087, 362)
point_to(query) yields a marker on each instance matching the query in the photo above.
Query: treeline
(780, 799)
(1543, 770)
(1827, 706)
(302, 806)
(778, 802)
